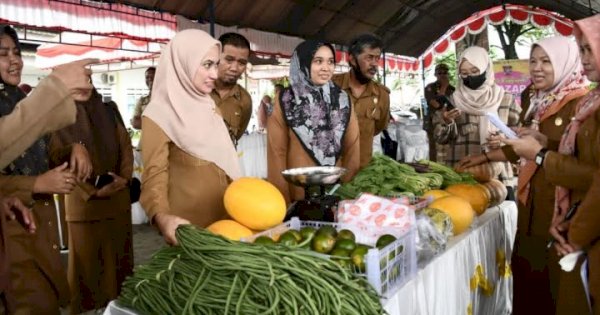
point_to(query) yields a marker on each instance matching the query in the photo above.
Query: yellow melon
(230, 229)
(476, 195)
(459, 210)
(436, 194)
(255, 203)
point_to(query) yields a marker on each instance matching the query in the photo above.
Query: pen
(568, 217)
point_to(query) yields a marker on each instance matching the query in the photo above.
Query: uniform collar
(236, 92)
(369, 91)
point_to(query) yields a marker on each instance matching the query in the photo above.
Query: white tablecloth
(252, 152)
(471, 277)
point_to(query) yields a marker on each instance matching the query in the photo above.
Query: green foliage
(449, 58)
(513, 34)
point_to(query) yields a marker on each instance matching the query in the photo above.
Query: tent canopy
(408, 27)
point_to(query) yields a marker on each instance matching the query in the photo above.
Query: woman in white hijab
(466, 128)
(188, 157)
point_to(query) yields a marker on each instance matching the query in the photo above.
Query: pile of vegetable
(341, 245)
(208, 274)
(384, 176)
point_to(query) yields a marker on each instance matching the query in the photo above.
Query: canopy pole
(424, 106)
(384, 67)
(211, 10)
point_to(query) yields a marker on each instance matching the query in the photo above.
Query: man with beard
(233, 100)
(370, 100)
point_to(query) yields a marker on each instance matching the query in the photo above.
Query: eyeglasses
(441, 72)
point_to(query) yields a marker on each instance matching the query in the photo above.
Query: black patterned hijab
(34, 161)
(318, 115)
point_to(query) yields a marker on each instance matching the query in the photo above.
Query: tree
(449, 59)
(511, 34)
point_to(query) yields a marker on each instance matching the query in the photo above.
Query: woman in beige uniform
(312, 122)
(188, 156)
(98, 218)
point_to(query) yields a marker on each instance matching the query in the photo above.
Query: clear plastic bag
(434, 227)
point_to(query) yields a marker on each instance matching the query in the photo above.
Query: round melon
(255, 203)
(230, 229)
(436, 194)
(460, 211)
(476, 195)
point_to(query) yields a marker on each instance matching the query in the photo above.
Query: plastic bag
(434, 227)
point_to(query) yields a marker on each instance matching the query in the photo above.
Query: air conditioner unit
(108, 78)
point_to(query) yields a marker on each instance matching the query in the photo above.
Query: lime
(307, 232)
(327, 230)
(346, 235)
(346, 244)
(340, 252)
(296, 234)
(264, 240)
(385, 240)
(358, 257)
(288, 239)
(322, 243)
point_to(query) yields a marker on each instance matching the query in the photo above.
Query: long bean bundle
(207, 274)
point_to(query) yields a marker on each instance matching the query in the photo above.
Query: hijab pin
(558, 121)
(375, 100)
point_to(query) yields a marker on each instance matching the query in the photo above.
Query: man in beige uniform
(371, 100)
(136, 120)
(233, 101)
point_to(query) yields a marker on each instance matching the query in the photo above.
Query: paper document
(495, 120)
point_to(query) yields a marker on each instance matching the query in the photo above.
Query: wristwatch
(540, 156)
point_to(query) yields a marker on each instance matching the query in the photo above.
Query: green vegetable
(207, 274)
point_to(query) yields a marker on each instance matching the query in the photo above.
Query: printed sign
(513, 76)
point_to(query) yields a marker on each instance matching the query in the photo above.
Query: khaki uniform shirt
(285, 151)
(236, 109)
(177, 183)
(372, 110)
(48, 108)
(140, 106)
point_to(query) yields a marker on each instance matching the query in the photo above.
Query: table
(472, 276)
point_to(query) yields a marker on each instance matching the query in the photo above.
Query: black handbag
(135, 190)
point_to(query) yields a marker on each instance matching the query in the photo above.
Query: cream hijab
(485, 99)
(564, 56)
(188, 117)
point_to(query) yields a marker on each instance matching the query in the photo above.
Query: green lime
(358, 257)
(346, 244)
(288, 239)
(385, 240)
(340, 252)
(327, 230)
(264, 240)
(346, 235)
(296, 234)
(322, 243)
(307, 232)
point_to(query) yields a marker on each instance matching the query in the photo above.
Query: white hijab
(485, 99)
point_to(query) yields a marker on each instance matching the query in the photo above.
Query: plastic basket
(387, 269)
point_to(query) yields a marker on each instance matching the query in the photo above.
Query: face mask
(473, 82)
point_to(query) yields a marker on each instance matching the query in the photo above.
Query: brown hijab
(187, 116)
(96, 128)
